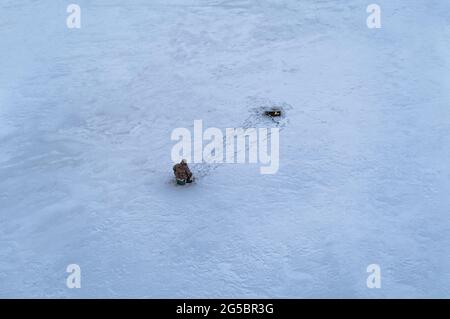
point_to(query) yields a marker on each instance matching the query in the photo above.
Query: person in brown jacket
(182, 173)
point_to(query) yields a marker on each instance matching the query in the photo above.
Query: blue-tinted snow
(85, 168)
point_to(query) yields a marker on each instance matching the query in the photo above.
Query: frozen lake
(86, 176)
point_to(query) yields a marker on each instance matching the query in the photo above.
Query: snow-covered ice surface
(85, 170)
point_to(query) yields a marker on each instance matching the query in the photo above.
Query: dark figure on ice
(182, 173)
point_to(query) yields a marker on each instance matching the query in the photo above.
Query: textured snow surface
(85, 169)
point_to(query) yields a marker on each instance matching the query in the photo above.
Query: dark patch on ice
(258, 116)
(275, 112)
